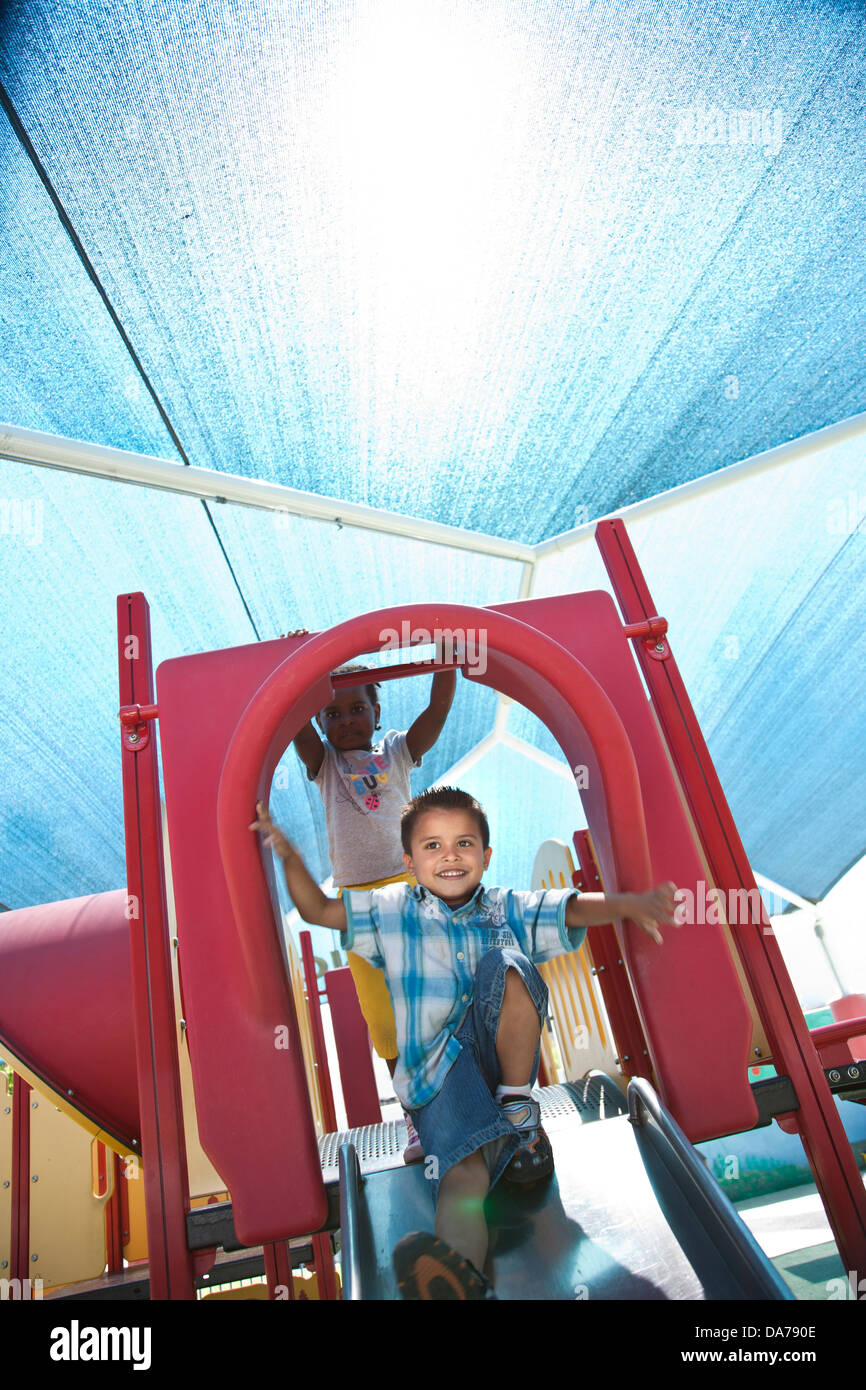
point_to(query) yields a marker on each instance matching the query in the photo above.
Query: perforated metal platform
(381, 1146)
(595, 1097)
(378, 1147)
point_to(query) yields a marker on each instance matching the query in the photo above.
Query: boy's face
(447, 856)
(349, 721)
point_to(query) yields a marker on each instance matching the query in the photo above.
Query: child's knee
(497, 960)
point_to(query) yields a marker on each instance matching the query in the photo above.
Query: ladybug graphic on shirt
(368, 778)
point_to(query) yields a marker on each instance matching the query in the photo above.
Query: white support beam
(787, 893)
(452, 777)
(527, 580)
(120, 465)
(535, 755)
(499, 736)
(815, 443)
(814, 914)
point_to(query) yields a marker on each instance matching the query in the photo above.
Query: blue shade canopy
(508, 267)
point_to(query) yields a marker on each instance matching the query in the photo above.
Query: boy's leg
(460, 1219)
(449, 1264)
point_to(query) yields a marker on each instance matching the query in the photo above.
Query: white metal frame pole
(142, 470)
(816, 443)
(120, 465)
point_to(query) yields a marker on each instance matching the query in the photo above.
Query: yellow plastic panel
(582, 1031)
(67, 1220)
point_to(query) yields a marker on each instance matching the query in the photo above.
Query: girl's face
(349, 721)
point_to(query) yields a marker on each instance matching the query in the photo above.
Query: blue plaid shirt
(430, 953)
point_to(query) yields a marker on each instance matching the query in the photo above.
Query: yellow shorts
(374, 995)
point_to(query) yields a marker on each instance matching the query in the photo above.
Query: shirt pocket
(436, 955)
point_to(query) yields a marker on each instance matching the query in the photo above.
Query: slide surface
(596, 1231)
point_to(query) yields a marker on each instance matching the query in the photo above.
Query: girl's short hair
(441, 799)
(372, 688)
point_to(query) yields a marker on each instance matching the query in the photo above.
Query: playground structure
(688, 1020)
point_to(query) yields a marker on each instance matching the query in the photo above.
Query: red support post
(329, 1114)
(794, 1055)
(114, 1219)
(163, 1147)
(323, 1255)
(278, 1268)
(19, 1261)
(323, 1262)
(123, 1182)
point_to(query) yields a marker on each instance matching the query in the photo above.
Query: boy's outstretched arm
(429, 724)
(646, 910)
(313, 905)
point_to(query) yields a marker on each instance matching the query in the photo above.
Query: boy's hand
(273, 836)
(656, 906)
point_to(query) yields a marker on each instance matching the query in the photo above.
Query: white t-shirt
(364, 792)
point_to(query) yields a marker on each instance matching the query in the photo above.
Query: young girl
(364, 787)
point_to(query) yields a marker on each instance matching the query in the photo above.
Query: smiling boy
(469, 1005)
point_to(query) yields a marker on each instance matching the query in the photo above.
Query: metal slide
(631, 1212)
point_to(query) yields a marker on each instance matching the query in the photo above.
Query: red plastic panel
(252, 1105)
(695, 1018)
(66, 1004)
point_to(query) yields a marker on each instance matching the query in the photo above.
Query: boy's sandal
(427, 1269)
(533, 1161)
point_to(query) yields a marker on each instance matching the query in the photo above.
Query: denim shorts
(463, 1116)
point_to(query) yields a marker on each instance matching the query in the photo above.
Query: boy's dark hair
(372, 689)
(441, 799)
